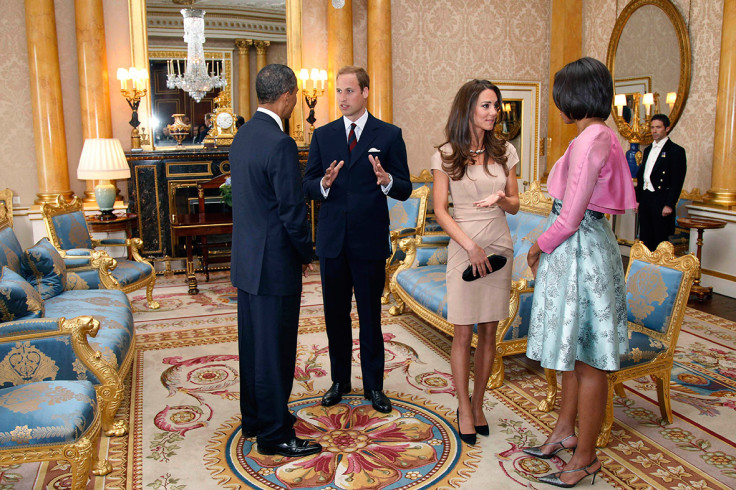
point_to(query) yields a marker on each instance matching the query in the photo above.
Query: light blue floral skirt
(579, 306)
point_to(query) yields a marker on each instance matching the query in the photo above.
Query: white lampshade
(648, 99)
(619, 100)
(102, 159)
(671, 97)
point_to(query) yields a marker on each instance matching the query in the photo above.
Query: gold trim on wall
(208, 173)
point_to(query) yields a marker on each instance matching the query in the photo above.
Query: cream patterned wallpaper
(18, 157)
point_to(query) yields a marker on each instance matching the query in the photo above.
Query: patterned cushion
(129, 271)
(112, 308)
(44, 268)
(10, 250)
(525, 229)
(71, 230)
(642, 348)
(651, 291)
(430, 256)
(18, 299)
(83, 279)
(403, 214)
(44, 413)
(427, 285)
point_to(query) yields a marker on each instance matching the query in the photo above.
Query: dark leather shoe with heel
(554, 478)
(335, 393)
(536, 451)
(293, 448)
(469, 439)
(380, 401)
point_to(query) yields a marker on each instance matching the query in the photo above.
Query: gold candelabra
(133, 95)
(311, 96)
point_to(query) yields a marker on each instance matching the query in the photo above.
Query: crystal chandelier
(195, 80)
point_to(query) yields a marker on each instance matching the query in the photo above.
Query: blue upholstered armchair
(406, 219)
(67, 229)
(657, 290)
(43, 418)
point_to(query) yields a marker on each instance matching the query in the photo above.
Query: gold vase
(179, 129)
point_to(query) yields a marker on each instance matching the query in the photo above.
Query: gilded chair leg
(398, 308)
(153, 305)
(80, 460)
(663, 394)
(619, 390)
(548, 403)
(100, 466)
(604, 436)
(109, 400)
(497, 373)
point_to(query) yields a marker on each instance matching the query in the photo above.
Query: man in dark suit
(354, 163)
(658, 184)
(271, 249)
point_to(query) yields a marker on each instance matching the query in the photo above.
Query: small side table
(122, 222)
(701, 224)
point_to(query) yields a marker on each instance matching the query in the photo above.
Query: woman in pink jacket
(578, 319)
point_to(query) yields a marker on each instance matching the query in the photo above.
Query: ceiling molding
(220, 23)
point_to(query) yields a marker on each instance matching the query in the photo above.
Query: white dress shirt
(359, 125)
(273, 115)
(651, 159)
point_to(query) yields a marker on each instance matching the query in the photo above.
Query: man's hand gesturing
(331, 173)
(382, 177)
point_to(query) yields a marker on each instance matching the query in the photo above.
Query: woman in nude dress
(475, 167)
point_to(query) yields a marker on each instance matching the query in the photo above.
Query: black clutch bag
(497, 262)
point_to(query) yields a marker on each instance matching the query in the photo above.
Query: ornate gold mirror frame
(139, 55)
(683, 41)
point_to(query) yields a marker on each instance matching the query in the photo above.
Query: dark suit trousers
(267, 331)
(339, 277)
(653, 227)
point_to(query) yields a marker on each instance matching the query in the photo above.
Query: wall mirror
(520, 126)
(649, 52)
(157, 29)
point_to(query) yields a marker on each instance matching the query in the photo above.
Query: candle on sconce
(648, 101)
(620, 101)
(123, 77)
(671, 98)
(322, 79)
(304, 76)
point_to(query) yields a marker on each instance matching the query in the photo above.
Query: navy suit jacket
(355, 213)
(668, 174)
(271, 238)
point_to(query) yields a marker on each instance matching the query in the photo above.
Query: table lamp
(103, 160)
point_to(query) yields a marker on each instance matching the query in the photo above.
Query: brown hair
(364, 80)
(457, 131)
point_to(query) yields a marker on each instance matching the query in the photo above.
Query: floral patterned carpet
(184, 416)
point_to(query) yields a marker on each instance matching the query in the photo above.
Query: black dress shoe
(335, 393)
(380, 402)
(293, 448)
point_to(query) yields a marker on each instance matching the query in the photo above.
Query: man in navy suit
(354, 163)
(659, 183)
(271, 249)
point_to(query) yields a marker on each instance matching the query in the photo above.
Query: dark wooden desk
(122, 222)
(701, 224)
(193, 225)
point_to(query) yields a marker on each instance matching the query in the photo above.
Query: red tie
(352, 140)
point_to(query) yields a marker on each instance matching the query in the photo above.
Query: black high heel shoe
(469, 439)
(481, 430)
(536, 451)
(554, 478)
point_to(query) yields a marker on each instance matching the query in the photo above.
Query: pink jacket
(592, 174)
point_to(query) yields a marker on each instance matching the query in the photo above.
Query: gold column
(566, 30)
(261, 47)
(723, 178)
(244, 77)
(94, 92)
(339, 48)
(379, 59)
(294, 60)
(46, 101)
